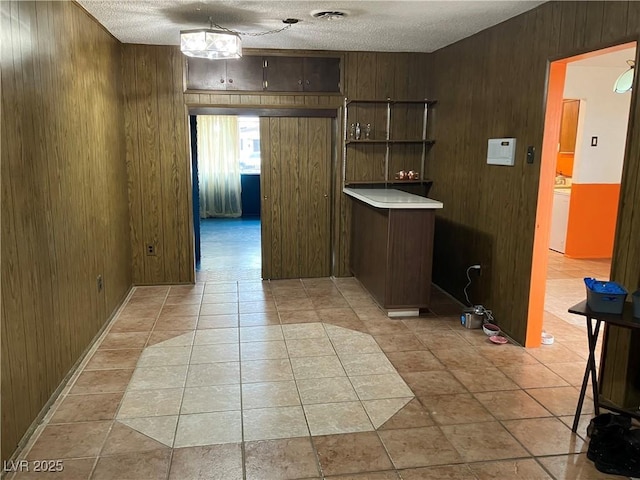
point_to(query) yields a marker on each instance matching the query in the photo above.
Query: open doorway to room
(583, 153)
(226, 196)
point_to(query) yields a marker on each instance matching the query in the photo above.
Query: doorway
(226, 196)
(579, 189)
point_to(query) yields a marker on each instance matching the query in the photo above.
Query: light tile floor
(269, 381)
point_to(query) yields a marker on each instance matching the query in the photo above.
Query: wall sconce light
(625, 81)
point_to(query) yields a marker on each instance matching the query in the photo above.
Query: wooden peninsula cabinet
(392, 247)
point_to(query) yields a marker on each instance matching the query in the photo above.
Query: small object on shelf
(367, 131)
(605, 297)
(352, 131)
(401, 175)
(636, 304)
(358, 131)
(411, 175)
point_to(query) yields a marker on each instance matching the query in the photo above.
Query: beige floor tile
(256, 319)
(456, 409)
(326, 390)
(511, 404)
(221, 352)
(124, 439)
(73, 440)
(572, 373)
(273, 423)
(560, 400)
(217, 321)
(132, 324)
(506, 355)
(444, 472)
(220, 287)
(261, 333)
(352, 344)
(229, 297)
(180, 311)
(133, 466)
(113, 359)
(208, 429)
(418, 447)
(351, 453)
(285, 459)
(317, 367)
(161, 429)
(299, 316)
(102, 381)
(258, 306)
(263, 350)
(461, 357)
(216, 336)
(336, 331)
(173, 323)
(171, 339)
(487, 379)
(533, 376)
(527, 469)
(269, 394)
(219, 309)
(437, 382)
(334, 418)
(288, 304)
(399, 342)
(210, 462)
(366, 364)
(303, 331)
(128, 340)
(412, 415)
(375, 387)
(441, 339)
(150, 403)
(206, 374)
(483, 441)
(158, 377)
(164, 356)
(380, 411)
(87, 408)
(309, 347)
(574, 467)
(545, 436)
(213, 398)
(178, 290)
(415, 361)
(583, 423)
(266, 371)
(555, 353)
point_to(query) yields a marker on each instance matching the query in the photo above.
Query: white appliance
(559, 219)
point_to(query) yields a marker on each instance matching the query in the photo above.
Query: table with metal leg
(623, 320)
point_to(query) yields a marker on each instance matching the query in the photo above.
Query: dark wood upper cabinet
(321, 74)
(245, 74)
(268, 73)
(283, 74)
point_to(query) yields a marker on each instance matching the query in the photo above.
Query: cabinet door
(321, 74)
(569, 125)
(284, 74)
(205, 74)
(559, 222)
(244, 74)
(295, 183)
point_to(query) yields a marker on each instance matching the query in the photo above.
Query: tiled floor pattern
(480, 410)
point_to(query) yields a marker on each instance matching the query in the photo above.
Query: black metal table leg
(589, 369)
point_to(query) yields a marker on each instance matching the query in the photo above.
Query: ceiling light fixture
(625, 81)
(221, 42)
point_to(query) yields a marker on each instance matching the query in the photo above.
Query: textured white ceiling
(398, 26)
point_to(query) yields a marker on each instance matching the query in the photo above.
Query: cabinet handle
(231, 80)
(299, 82)
(265, 63)
(265, 197)
(222, 80)
(308, 83)
(326, 196)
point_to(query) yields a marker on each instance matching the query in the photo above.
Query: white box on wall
(501, 151)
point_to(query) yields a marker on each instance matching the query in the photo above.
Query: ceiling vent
(329, 14)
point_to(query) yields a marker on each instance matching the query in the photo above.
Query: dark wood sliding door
(295, 183)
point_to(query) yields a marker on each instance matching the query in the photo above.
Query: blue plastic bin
(605, 297)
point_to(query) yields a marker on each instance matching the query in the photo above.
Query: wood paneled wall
(158, 152)
(64, 199)
(493, 85)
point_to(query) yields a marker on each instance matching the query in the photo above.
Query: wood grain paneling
(493, 85)
(64, 200)
(158, 162)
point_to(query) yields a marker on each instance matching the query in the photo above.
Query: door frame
(288, 111)
(553, 110)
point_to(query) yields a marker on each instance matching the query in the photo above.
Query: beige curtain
(219, 166)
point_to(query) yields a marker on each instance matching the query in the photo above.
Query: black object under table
(625, 319)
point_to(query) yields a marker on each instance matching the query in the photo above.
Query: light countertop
(395, 199)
